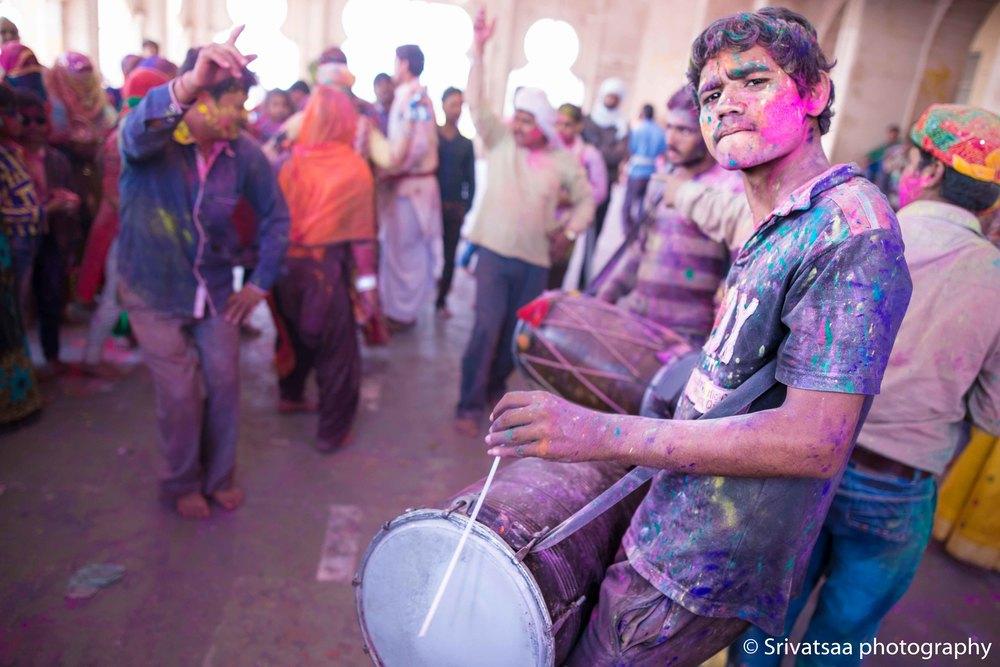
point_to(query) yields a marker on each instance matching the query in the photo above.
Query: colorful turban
(965, 138)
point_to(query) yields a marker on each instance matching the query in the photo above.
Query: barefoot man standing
(185, 165)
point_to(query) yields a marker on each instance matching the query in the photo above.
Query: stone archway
(945, 53)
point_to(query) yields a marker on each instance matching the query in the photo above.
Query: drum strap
(633, 234)
(736, 402)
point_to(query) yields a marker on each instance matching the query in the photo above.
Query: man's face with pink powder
(752, 111)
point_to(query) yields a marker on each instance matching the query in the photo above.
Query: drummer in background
(671, 273)
(517, 231)
(723, 537)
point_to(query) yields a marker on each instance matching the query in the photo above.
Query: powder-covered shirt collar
(942, 210)
(802, 197)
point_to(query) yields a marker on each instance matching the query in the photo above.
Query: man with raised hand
(517, 230)
(185, 164)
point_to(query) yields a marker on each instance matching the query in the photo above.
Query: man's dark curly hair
(787, 36)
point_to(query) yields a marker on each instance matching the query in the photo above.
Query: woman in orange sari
(330, 193)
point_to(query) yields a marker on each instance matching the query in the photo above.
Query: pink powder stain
(911, 186)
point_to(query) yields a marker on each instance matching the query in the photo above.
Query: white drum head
(492, 614)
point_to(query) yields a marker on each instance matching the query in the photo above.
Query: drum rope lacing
(562, 363)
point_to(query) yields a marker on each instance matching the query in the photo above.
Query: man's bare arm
(809, 435)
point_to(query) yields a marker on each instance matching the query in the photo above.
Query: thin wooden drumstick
(458, 550)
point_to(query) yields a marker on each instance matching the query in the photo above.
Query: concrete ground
(270, 583)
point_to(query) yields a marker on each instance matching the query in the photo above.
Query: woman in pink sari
(81, 120)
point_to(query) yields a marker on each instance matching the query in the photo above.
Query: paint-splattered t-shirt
(822, 286)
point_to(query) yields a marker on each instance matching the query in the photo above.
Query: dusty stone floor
(270, 584)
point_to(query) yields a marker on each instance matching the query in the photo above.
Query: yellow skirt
(968, 511)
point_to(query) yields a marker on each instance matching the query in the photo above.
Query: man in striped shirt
(671, 273)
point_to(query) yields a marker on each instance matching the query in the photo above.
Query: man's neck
(769, 184)
(206, 146)
(449, 129)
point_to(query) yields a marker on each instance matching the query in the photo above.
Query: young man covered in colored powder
(672, 272)
(408, 200)
(945, 365)
(185, 165)
(525, 166)
(456, 176)
(724, 535)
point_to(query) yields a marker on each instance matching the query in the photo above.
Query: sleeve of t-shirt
(843, 309)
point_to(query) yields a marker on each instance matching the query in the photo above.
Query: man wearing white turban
(536, 102)
(517, 230)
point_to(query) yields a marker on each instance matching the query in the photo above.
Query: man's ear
(819, 95)
(933, 174)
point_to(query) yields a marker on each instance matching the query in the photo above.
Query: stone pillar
(876, 66)
(985, 89)
(893, 59)
(79, 26)
(947, 49)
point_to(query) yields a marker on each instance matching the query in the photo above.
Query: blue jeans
(503, 284)
(869, 548)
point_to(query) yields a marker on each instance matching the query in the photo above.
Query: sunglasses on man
(37, 120)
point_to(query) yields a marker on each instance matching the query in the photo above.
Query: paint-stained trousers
(314, 301)
(503, 284)
(195, 369)
(635, 624)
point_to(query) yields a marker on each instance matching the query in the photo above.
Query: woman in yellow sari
(968, 512)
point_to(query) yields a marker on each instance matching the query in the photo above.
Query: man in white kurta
(408, 201)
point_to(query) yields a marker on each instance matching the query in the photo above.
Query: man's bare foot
(192, 506)
(287, 407)
(229, 499)
(467, 426)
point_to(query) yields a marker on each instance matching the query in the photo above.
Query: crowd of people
(874, 301)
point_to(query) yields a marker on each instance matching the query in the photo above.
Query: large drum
(504, 606)
(591, 352)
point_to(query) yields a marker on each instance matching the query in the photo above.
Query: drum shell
(595, 354)
(531, 495)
